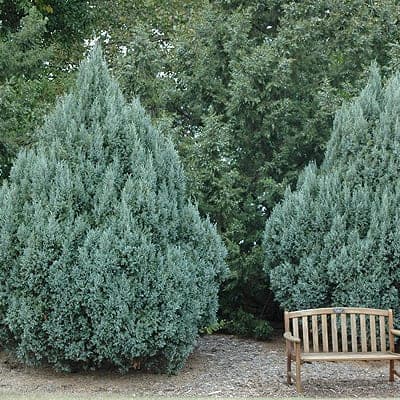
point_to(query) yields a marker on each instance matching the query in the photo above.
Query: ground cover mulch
(220, 366)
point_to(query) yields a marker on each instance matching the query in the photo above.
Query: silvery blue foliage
(334, 241)
(103, 260)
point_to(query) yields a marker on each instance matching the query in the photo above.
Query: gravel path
(220, 366)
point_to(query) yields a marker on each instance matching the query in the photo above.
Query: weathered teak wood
(353, 333)
(325, 345)
(346, 310)
(382, 332)
(315, 333)
(296, 327)
(329, 333)
(372, 328)
(334, 333)
(306, 345)
(368, 356)
(391, 346)
(343, 329)
(363, 328)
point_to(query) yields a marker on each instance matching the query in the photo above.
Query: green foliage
(22, 105)
(163, 15)
(250, 89)
(262, 330)
(139, 67)
(33, 71)
(66, 19)
(103, 260)
(246, 89)
(22, 52)
(22, 55)
(334, 241)
(263, 86)
(246, 325)
(215, 327)
(11, 12)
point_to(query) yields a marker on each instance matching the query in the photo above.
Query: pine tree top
(365, 135)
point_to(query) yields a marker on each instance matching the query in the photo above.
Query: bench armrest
(291, 338)
(395, 332)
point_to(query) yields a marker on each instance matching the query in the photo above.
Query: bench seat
(350, 356)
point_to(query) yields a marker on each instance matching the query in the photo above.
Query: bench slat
(372, 328)
(343, 328)
(353, 326)
(350, 356)
(334, 333)
(306, 344)
(315, 333)
(295, 327)
(325, 345)
(363, 329)
(382, 332)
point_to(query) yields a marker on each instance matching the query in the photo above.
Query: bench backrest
(342, 329)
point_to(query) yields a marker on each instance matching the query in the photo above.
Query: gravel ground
(220, 366)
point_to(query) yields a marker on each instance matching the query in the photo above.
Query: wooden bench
(339, 334)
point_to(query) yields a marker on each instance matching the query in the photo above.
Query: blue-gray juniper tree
(103, 259)
(335, 240)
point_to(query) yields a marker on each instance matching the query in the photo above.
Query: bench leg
(298, 368)
(391, 371)
(298, 378)
(289, 366)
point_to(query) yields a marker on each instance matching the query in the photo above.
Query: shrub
(334, 241)
(247, 325)
(103, 260)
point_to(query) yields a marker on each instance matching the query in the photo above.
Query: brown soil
(220, 366)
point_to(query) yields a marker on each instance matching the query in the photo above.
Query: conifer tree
(103, 260)
(334, 241)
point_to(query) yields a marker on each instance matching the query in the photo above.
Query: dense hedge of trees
(247, 90)
(251, 92)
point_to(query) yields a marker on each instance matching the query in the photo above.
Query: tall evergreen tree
(22, 54)
(252, 88)
(335, 240)
(38, 49)
(102, 258)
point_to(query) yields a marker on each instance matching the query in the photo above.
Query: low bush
(247, 325)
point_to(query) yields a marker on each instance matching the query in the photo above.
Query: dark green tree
(273, 80)
(22, 92)
(103, 259)
(34, 67)
(66, 19)
(334, 241)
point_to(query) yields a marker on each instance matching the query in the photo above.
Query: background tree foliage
(69, 19)
(39, 46)
(251, 89)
